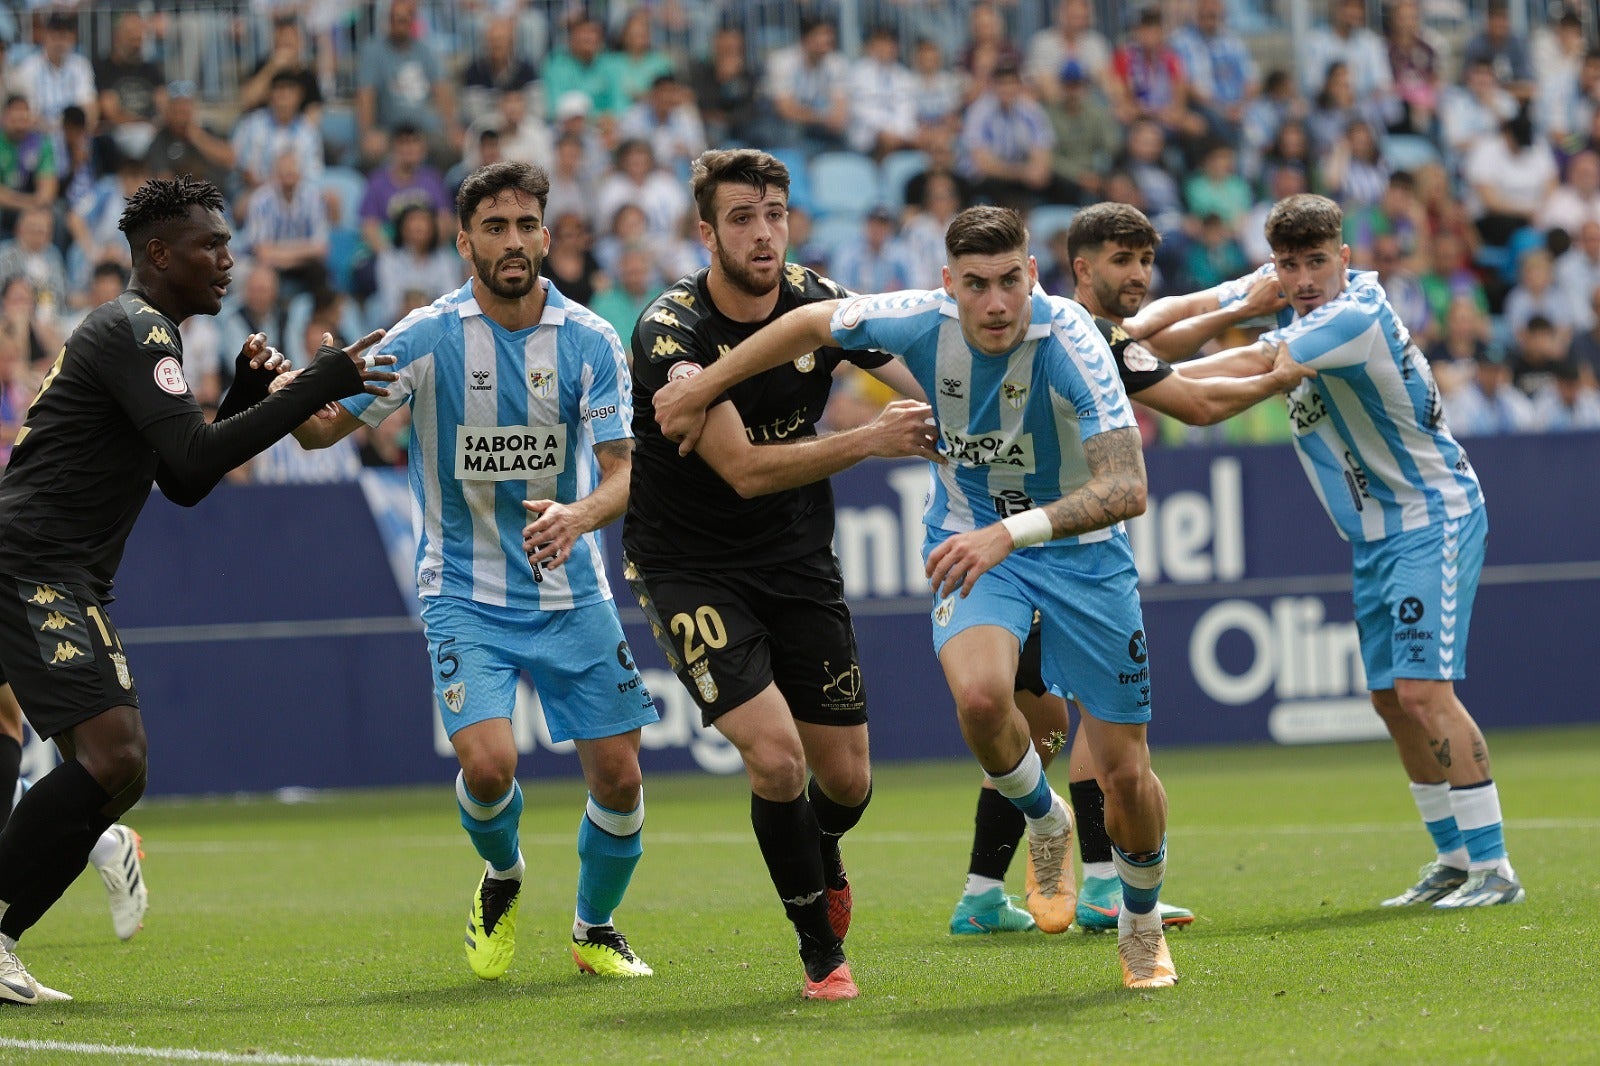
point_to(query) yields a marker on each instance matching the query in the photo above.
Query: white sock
(580, 928)
(104, 850)
(513, 874)
(977, 884)
(7, 942)
(1058, 820)
(1104, 871)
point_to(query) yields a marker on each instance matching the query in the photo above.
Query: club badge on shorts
(455, 697)
(701, 672)
(120, 661)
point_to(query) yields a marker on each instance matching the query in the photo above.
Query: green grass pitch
(331, 930)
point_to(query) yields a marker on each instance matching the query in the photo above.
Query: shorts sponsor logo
(1412, 633)
(169, 377)
(519, 453)
(624, 655)
(701, 672)
(541, 382)
(946, 608)
(682, 370)
(1014, 393)
(844, 687)
(1411, 610)
(55, 622)
(1138, 651)
(455, 697)
(1137, 677)
(120, 662)
(66, 652)
(1138, 358)
(44, 595)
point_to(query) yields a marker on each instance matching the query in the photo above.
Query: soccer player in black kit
(730, 549)
(113, 416)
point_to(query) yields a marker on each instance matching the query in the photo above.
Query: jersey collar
(555, 305)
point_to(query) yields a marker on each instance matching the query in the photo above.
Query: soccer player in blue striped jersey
(521, 450)
(1373, 441)
(1042, 464)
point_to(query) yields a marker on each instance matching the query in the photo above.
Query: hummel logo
(55, 621)
(44, 595)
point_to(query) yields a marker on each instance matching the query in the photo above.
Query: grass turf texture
(334, 929)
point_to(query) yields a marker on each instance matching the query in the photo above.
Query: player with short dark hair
(113, 416)
(1112, 256)
(729, 550)
(520, 454)
(1042, 466)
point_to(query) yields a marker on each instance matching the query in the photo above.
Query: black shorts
(61, 654)
(1030, 663)
(728, 634)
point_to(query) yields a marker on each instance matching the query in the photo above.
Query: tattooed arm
(1115, 491)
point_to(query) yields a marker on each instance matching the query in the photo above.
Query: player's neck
(1092, 305)
(159, 298)
(522, 313)
(735, 303)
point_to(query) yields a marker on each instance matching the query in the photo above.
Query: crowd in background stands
(1467, 163)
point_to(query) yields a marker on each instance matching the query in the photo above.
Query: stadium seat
(896, 169)
(349, 186)
(799, 181)
(1409, 151)
(344, 243)
(844, 183)
(833, 232)
(340, 137)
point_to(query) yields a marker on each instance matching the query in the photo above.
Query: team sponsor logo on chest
(510, 453)
(991, 449)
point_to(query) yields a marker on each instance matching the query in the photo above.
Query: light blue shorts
(1091, 627)
(577, 659)
(1413, 597)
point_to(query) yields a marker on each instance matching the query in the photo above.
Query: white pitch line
(222, 847)
(179, 1054)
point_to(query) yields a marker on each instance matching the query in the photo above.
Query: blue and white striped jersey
(1012, 427)
(497, 418)
(1369, 427)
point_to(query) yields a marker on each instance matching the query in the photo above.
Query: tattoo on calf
(1441, 751)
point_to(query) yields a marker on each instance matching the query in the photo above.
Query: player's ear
(156, 253)
(708, 235)
(949, 282)
(463, 248)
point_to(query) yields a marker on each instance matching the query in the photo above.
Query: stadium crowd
(1466, 158)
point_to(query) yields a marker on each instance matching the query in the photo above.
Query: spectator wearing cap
(1488, 404)
(806, 85)
(1505, 51)
(406, 179)
(57, 75)
(1006, 142)
(132, 89)
(401, 81)
(725, 91)
(28, 171)
(872, 260)
(289, 55)
(882, 94)
(1072, 42)
(1221, 73)
(584, 67)
(1148, 79)
(1348, 40)
(184, 146)
(1087, 138)
(261, 136)
(667, 120)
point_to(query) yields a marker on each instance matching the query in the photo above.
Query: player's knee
(1126, 784)
(618, 784)
(982, 707)
(848, 785)
(116, 765)
(776, 769)
(1422, 703)
(488, 775)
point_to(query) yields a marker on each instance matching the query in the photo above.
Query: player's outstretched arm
(1207, 319)
(556, 527)
(1115, 491)
(1202, 400)
(680, 405)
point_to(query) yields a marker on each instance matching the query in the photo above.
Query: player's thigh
(474, 673)
(815, 661)
(61, 653)
(708, 630)
(978, 637)
(1092, 631)
(1414, 594)
(584, 673)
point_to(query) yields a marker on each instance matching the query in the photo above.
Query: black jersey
(1138, 366)
(680, 512)
(114, 415)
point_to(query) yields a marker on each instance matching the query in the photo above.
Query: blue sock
(1025, 786)
(609, 846)
(1477, 813)
(492, 826)
(1141, 878)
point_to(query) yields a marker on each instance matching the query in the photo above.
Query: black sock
(997, 830)
(46, 844)
(10, 773)
(789, 839)
(834, 820)
(1089, 808)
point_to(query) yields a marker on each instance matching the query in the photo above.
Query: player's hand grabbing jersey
(680, 512)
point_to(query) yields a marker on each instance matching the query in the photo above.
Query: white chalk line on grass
(180, 1054)
(453, 840)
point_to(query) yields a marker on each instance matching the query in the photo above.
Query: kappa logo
(1014, 394)
(146, 309)
(455, 697)
(664, 347)
(541, 382)
(44, 596)
(480, 380)
(1118, 334)
(66, 652)
(158, 335)
(664, 316)
(701, 672)
(683, 299)
(796, 274)
(120, 662)
(55, 622)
